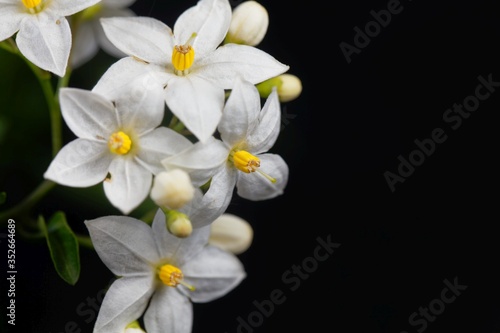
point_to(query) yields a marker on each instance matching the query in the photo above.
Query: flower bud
(172, 189)
(288, 86)
(231, 233)
(178, 224)
(248, 24)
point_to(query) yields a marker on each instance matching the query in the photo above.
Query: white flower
(160, 274)
(188, 61)
(43, 32)
(118, 137)
(89, 36)
(241, 158)
(231, 233)
(249, 24)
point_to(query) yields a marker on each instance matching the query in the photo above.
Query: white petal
(263, 136)
(141, 109)
(197, 103)
(124, 244)
(169, 312)
(129, 184)
(254, 186)
(127, 74)
(70, 7)
(80, 163)
(201, 160)
(174, 248)
(85, 45)
(46, 41)
(160, 144)
(210, 19)
(240, 112)
(216, 200)
(117, 3)
(253, 64)
(87, 114)
(11, 17)
(124, 302)
(213, 273)
(146, 38)
(104, 42)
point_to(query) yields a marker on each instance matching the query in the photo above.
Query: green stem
(85, 241)
(28, 202)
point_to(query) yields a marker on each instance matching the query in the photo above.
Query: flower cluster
(187, 117)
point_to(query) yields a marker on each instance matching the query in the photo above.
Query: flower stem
(28, 202)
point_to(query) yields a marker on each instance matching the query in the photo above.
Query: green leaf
(63, 247)
(3, 197)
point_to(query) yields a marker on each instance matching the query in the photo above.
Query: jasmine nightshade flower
(160, 275)
(43, 32)
(118, 142)
(240, 159)
(188, 61)
(89, 36)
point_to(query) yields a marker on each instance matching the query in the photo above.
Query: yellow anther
(31, 3)
(183, 55)
(246, 162)
(172, 276)
(119, 143)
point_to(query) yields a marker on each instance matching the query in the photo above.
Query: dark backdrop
(420, 256)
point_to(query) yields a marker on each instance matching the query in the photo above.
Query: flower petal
(129, 184)
(240, 112)
(254, 186)
(200, 160)
(103, 41)
(127, 74)
(145, 38)
(117, 3)
(125, 301)
(263, 136)
(70, 7)
(174, 248)
(124, 244)
(45, 40)
(87, 114)
(209, 19)
(80, 163)
(160, 144)
(169, 312)
(214, 273)
(84, 46)
(197, 103)
(253, 64)
(11, 18)
(216, 200)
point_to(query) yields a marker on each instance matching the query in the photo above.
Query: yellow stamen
(172, 276)
(183, 55)
(119, 143)
(246, 162)
(30, 4)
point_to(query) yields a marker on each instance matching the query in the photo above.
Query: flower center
(183, 56)
(34, 6)
(172, 276)
(119, 143)
(248, 163)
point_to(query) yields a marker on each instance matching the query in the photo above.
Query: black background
(339, 137)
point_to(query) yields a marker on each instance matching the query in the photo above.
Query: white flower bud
(249, 24)
(172, 189)
(178, 224)
(231, 233)
(288, 86)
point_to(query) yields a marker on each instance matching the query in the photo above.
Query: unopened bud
(249, 24)
(172, 189)
(288, 86)
(178, 224)
(231, 233)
